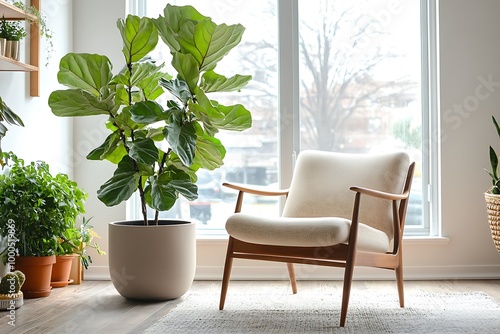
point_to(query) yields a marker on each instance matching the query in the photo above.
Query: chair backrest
(321, 181)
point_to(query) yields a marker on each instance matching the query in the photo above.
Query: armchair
(341, 210)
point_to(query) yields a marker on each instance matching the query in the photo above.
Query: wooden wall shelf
(11, 12)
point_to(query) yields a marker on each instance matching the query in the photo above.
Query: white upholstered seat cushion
(304, 232)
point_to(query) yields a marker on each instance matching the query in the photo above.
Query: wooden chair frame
(342, 255)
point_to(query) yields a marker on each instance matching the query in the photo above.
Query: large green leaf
(187, 69)
(236, 118)
(209, 151)
(147, 112)
(89, 72)
(175, 17)
(9, 116)
(182, 140)
(209, 43)
(122, 185)
(75, 102)
(165, 188)
(213, 82)
(178, 88)
(494, 163)
(144, 151)
(139, 37)
(112, 149)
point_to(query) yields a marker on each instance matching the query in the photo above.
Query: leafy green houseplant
(495, 180)
(9, 117)
(36, 206)
(77, 240)
(492, 195)
(157, 148)
(12, 30)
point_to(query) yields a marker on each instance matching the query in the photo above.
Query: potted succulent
(11, 296)
(157, 148)
(74, 242)
(492, 196)
(36, 208)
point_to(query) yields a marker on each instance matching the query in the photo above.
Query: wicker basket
(493, 206)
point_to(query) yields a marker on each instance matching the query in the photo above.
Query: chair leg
(291, 273)
(346, 293)
(400, 283)
(227, 273)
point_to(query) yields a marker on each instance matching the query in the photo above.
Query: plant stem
(160, 170)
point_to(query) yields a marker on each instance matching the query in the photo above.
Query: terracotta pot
(152, 262)
(38, 270)
(61, 270)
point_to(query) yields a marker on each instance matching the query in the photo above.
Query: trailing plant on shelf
(495, 180)
(36, 208)
(157, 148)
(41, 21)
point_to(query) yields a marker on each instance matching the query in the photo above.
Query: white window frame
(288, 106)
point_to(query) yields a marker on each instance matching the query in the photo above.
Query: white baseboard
(279, 272)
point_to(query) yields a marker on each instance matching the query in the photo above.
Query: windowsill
(411, 240)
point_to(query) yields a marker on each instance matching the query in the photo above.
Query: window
(349, 76)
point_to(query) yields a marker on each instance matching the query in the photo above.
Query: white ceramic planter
(152, 262)
(3, 44)
(15, 51)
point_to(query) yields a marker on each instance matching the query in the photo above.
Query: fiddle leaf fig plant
(495, 180)
(157, 147)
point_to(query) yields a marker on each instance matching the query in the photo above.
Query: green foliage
(495, 180)
(157, 148)
(35, 206)
(11, 283)
(410, 136)
(76, 240)
(9, 117)
(41, 22)
(12, 30)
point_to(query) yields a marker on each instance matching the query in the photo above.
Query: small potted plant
(13, 32)
(492, 196)
(36, 208)
(74, 242)
(11, 296)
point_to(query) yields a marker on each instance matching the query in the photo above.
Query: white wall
(95, 31)
(44, 137)
(469, 54)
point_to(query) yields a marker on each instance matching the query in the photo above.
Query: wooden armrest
(255, 190)
(380, 194)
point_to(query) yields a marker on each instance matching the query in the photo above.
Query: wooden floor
(96, 307)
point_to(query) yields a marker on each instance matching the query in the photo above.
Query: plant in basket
(492, 196)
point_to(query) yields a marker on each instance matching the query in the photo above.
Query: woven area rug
(276, 310)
